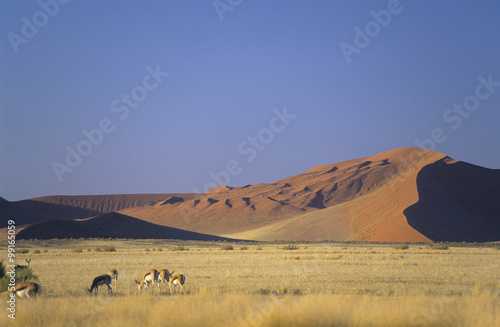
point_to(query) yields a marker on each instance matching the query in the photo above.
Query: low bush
(106, 248)
(2, 269)
(109, 248)
(290, 247)
(439, 246)
(227, 247)
(21, 276)
(179, 248)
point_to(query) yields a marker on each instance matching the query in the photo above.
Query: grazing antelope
(176, 280)
(25, 289)
(163, 278)
(21, 267)
(150, 276)
(99, 281)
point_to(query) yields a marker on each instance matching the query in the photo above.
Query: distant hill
(73, 207)
(110, 225)
(402, 195)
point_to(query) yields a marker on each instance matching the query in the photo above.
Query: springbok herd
(155, 277)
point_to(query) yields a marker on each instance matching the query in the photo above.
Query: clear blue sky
(231, 68)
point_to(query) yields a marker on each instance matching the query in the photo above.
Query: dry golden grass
(264, 285)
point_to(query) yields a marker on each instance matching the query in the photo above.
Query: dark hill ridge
(74, 207)
(110, 225)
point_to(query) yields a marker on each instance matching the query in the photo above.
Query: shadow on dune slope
(457, 202)
(32, 211)
(110, 225)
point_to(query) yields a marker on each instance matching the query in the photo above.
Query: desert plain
(264, 284)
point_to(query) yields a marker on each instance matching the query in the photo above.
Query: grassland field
(263, 284)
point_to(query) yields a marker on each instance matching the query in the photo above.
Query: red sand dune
(363, 199)
(406, 194)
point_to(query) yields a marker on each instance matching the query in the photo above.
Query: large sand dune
(361, 199)
(406, 194)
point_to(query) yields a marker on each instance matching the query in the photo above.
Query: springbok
(163, 278)
(178, 279)
(100, 280)
(25, 289)
(150, 276)
(21, 267)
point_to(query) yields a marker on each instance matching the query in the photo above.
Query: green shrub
(227, 247)
(290, 247)
(179, 248)
(106, 248)
(402, 247)
(2, 269)
(23, 251)
(37, 251)
(26, 275)
(263, 291)
(109, 248)
(243, 248)
(78, 250)
(439, 246)
(21, 276)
